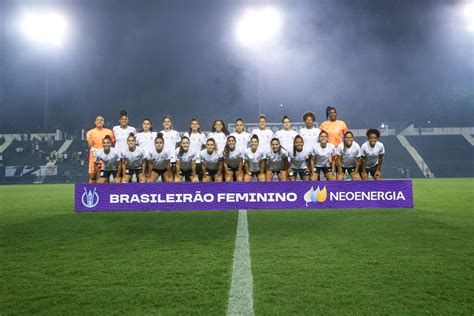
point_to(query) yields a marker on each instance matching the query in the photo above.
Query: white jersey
(121, 135)
(133, 159)
(276, 160)
(242, 140)
(220, 139)
(298, 160)
(146, 140)
(322, 155)
(265, 138)
(348, 155)
(286, 138)
(371, 154)
(212, 161)
(110, 161)
(196, 141)
(159, 158)
(253, 159)
(310, 136)
(234, 157)
(186, 158)
(171, 138)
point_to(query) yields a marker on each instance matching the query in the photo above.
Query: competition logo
(90, 198)
(317, 195)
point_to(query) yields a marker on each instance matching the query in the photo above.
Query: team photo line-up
(240, 156)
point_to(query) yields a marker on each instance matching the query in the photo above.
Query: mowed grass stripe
(55, 261)
(392, 261)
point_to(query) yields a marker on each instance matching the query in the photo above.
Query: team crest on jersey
(317, 196)
(90, 198)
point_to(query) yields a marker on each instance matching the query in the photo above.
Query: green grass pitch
(368, 261)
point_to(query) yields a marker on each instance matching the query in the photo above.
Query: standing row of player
(240, 156)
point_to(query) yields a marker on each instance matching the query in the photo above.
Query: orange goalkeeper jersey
(95, 137)
(335, 129)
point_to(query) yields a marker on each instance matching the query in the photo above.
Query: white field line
(241, 288)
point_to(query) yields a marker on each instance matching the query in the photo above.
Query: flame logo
(90, 199)
(317, 195)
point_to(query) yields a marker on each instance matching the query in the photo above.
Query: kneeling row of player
(234, 164)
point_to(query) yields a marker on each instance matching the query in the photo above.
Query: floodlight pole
(260, 54)
(259, 21)
(2, 59)
(45, 38)
(46, 95)
(259, 88)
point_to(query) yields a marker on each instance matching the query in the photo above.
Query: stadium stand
(31, 152)
(446, 155)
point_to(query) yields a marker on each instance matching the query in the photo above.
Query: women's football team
(287, 155)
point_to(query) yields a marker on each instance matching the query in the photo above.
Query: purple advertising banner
(253, 195)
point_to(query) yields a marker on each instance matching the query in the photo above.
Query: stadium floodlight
(47, 27)
(258, 26)
(255, 29)
(468, 12)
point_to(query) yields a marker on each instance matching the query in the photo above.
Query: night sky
(398, 62)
